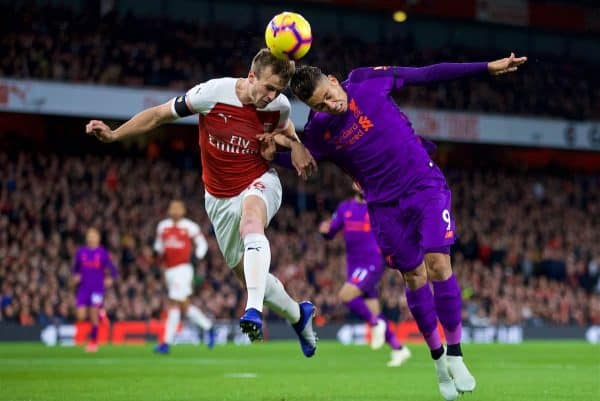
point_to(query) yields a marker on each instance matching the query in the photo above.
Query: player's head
(319, 91)
(92, 237)
(176, 209)
(358, 192)
(268, 77)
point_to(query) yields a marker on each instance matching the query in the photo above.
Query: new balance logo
(257, 249)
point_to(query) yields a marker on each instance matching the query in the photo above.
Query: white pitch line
(241, 375)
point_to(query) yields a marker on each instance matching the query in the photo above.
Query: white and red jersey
(175, 241)
(229, 149)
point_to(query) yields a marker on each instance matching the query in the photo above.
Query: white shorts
(179, 281)
(225, 214)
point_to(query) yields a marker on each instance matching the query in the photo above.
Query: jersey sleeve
(198, 100)
(337, 222)
(284, 108)
(418, 75)
(159, 246)
(76, 268)
(315, 130)
(109, 263)
(200, 243)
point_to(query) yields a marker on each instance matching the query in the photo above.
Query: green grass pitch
(276, 371)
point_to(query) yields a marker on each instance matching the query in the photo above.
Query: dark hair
(264, 58)
(305, 80)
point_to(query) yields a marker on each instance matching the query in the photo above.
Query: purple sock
(359, 306)
(390, 337)
(420, 303)
(94, 333)
(448, 307)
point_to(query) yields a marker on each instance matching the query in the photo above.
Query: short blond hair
(264, 58)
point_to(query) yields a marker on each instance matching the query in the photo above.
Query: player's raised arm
(329, 228)
(141, 123)
(437, 72)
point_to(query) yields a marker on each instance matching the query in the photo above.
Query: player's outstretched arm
(141, 123)
(437, 72)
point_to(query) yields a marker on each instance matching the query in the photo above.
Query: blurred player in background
(358, 126)
(176, 237)
(364, 269)
(89, 275)
(242, 192)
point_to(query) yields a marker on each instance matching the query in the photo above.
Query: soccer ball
(288, 36)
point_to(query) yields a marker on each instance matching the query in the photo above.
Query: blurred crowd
(527, 253)
(57, 43)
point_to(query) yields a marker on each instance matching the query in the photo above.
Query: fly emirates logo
(235, 144)
(172, 242)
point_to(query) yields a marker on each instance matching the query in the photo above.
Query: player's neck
(241, 91)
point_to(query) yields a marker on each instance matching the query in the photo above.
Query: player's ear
(333, 79)
(251, 76)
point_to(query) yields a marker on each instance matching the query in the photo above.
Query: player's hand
(325, 226)
(504, 65)
(303, 161)
(75, 281)
(108, 282)
(268, 147)
(100, 131)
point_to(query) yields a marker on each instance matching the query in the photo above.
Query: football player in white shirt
(242, 192)
(176, 237)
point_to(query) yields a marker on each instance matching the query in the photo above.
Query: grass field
(276, 371)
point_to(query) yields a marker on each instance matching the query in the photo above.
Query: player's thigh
(437, 224)
(268, 189)
(396, 229)
(348, 292)
(94, 312)
(225, 214)
(81, 312)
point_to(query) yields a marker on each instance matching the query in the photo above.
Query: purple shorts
(90, 297)
(412, 226)
(365, 278)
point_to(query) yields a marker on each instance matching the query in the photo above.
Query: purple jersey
(373, 141)
(361, 246)
(91, 263)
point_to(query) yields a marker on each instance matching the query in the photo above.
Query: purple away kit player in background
(364, 270)
(89, 268)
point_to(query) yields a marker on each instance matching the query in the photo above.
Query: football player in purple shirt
(357, 125)
(364, 269)
(89, 267)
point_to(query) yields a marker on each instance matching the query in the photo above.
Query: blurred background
(521, 153)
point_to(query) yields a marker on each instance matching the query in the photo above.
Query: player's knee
(347, 293)
(438, 267)
(251, 225)
(416, 278)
